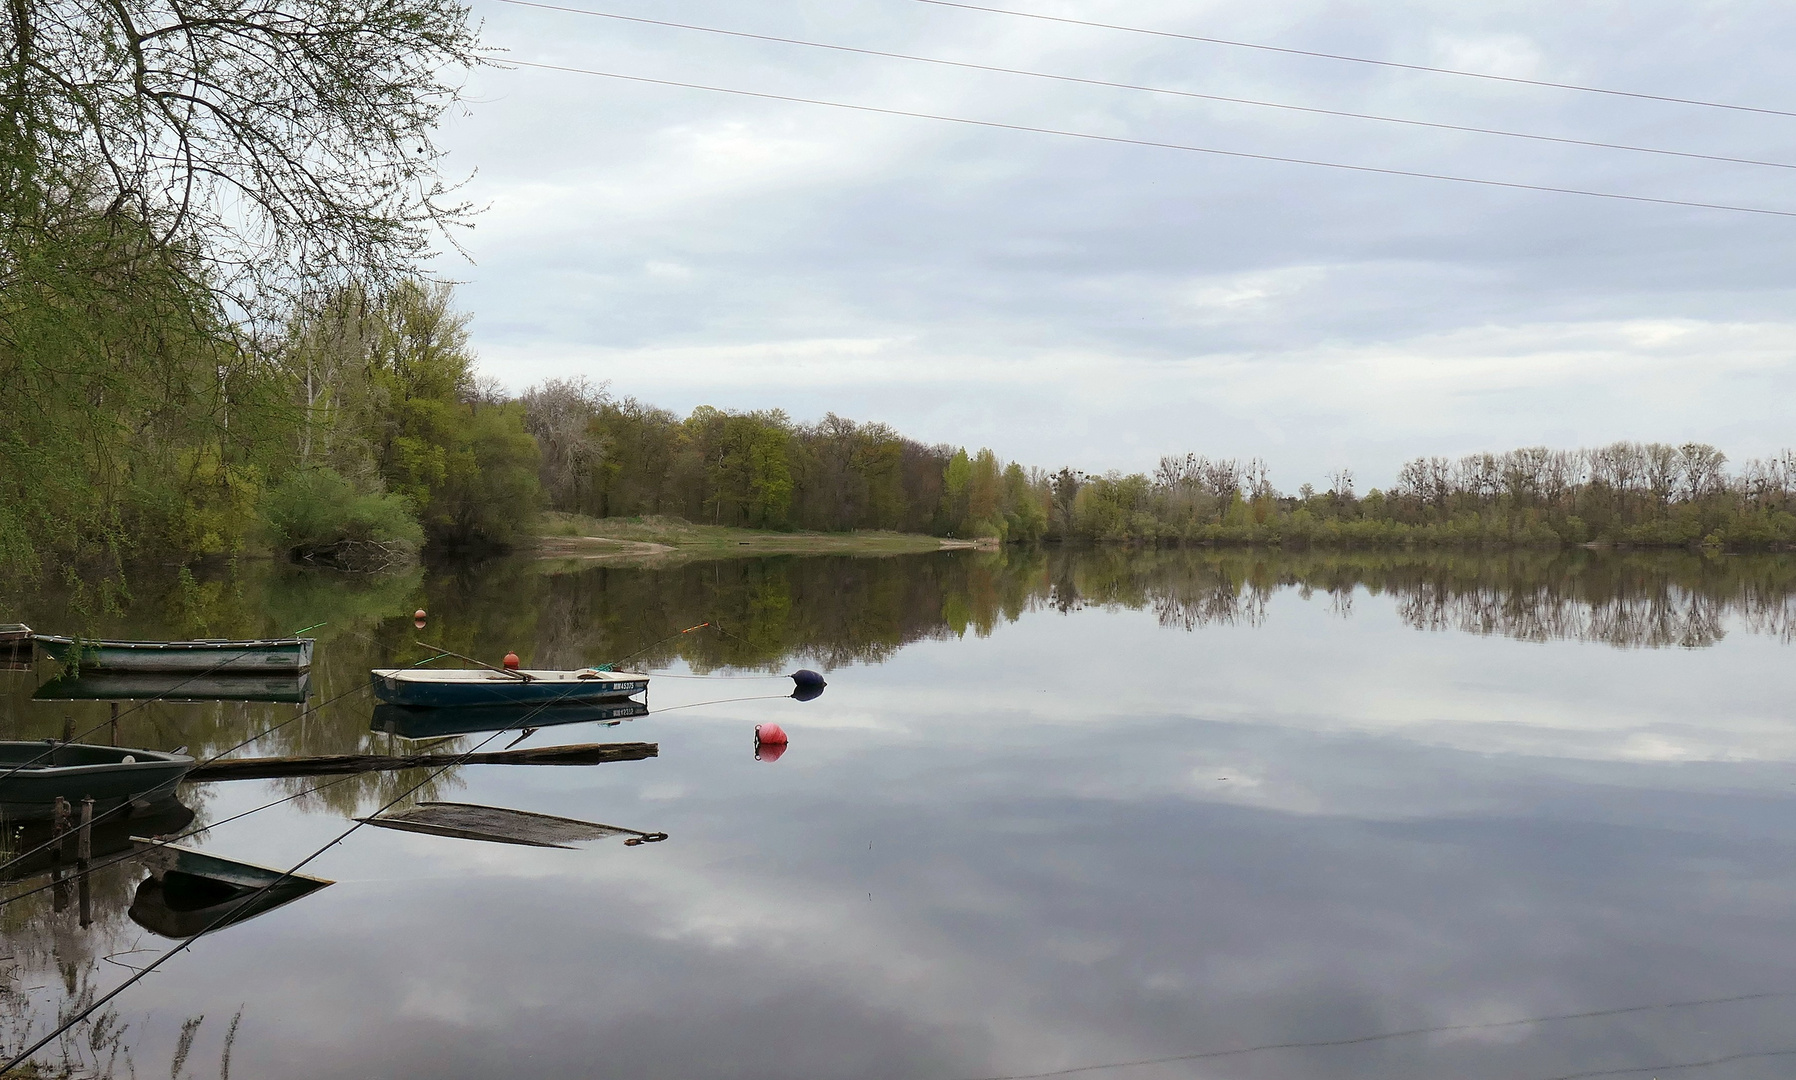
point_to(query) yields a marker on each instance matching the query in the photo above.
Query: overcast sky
(1066, 301)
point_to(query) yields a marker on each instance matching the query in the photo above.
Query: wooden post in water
(84, 853)
(84, 838)
(115, 723)
(59, 826)
(68, 727)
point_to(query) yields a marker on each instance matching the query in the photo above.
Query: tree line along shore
(363, 433)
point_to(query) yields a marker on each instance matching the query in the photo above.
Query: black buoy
(807, 685)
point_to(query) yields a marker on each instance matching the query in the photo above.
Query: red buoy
(418, 618)
(511, 661)
(770, 742)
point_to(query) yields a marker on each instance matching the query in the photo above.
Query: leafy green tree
(173, 179)
(957, 477)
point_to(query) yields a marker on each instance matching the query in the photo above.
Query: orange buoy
(511, 661)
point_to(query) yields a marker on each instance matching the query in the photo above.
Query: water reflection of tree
(771, 614)
(58, 965)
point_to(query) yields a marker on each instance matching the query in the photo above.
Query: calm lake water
(1095, 814)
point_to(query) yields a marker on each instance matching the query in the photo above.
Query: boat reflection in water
(108, 836)
(292, 687)
(409, 722)
(190, 892)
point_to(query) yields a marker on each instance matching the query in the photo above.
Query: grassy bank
(632, 539)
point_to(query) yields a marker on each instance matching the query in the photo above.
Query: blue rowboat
(211, 655)
(294, 686)
(34, 774)
(454, 687)
(410, 722)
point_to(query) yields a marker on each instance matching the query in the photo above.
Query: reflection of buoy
(511, 661)
(769, 751)
(418, 618)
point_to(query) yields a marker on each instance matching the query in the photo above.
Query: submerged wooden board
(500, 825)
(269, 768)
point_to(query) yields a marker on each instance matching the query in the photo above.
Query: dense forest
(605, 457)
(360, 432)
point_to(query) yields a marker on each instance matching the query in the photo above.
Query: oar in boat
(501, 670)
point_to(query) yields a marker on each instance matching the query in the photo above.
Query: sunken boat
(191, 892)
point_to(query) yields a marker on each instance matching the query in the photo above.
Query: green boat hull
(33, 775)
(194, 657)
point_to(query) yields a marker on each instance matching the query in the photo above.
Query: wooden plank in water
(276, 767)
(500, 825)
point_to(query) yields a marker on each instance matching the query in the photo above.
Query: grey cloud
(994, 254)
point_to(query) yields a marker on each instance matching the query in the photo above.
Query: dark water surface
(1096, 814)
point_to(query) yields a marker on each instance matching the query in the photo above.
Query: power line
(1156, 144)
(1362, 59)
(969, 66)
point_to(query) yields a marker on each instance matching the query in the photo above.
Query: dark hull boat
(15, 647)
(34, 774)
(457, 687)
(409, 722)
(293, 687)
(272, 654)
(189, 892)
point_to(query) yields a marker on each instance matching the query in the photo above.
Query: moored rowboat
(15, 647)
(34, 774)
(478, 686)
(269, 654)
